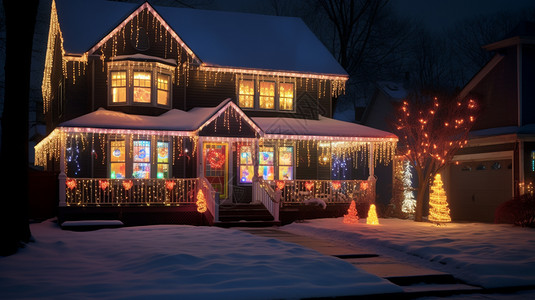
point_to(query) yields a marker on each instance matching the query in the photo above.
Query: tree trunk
(420, 197)
(20, 19)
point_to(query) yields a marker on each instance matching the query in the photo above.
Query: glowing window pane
(246, 93)
(141, 151)
(267, 95)
(118, 87)
(141, 170)
(532, 161)
(117, 170)
(246, 155)
(286, 156)
(163, 89)
(142, 87)
(117, 150)
(246, 174)
(265, 156)
(163, 171)
(286, 173)
(163, 152)
(286, 96)
(267, 172)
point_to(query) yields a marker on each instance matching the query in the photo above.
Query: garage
(477, 188)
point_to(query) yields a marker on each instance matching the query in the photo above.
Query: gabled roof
(216, 38)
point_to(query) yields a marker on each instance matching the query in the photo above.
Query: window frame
(256, 97)
(130, 67)
(249, 165)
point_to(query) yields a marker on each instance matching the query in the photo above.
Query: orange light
(372, 216)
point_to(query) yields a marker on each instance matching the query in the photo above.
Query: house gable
(228, 120)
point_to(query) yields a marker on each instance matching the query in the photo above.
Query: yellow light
(201, 202)
(438, 203)
(352, 214)
(372, 216)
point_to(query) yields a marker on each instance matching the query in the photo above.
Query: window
(117, 159)
(140, 83)
(286, 96)
(118, 87)
(265, 163)
(141, 153)
(162, 150)
(246, 93)
(267, 95)
(246, 167)
(532, 161)
(142, 87)
(286, 158)
(163, 89)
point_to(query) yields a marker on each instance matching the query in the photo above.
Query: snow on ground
(179, 262)
(489, 255)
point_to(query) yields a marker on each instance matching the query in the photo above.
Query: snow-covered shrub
(519, 211)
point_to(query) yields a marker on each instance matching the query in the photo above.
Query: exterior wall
(497, 94)
(528, 84)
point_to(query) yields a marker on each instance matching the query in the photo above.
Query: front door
(215, 158)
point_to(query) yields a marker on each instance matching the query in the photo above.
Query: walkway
(416, 281)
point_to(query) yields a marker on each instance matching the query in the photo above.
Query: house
(201, 116)
(498, 162)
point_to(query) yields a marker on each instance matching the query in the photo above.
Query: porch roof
(322, 129)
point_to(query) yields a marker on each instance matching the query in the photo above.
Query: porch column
(255, 171)
(62, 176)
(371, 179)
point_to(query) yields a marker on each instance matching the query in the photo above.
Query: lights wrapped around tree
(352, 214)
(201, 202)
(439, 211)
(372, 216)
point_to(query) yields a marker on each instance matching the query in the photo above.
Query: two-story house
(180, 110)
(499, 160)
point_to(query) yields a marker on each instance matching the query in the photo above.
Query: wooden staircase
(245, 215)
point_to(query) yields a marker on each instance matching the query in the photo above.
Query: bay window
(142, 87)
(118, 86)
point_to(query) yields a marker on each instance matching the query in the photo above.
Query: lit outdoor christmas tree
(372, 216)
(352, 214)
(439, 211)
(409, 202)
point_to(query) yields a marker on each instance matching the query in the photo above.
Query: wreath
(216, 158)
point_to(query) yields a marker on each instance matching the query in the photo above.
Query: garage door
(478, 188)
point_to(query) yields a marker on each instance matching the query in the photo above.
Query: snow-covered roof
(394, 90)
(217, 38)
(326, 128)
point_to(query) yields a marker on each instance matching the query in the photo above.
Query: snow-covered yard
(489, 255)
(179, 262)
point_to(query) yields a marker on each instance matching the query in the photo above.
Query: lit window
(118, 87)
(246, 94)
(141, 152)
(117, 159)
(532, 161)
(246, 164)
(162, 160)
(163, 89)
(265, 163)
(267, 95)
(286, 96)
(142, 87)
(286, 158)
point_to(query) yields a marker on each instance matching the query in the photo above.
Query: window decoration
(162, 149)
(265, 163)
(532, 161)
(246, 167)
(141, 165)
(216, 158)
(286, 158)
(118, 87)
(246, 94)
(286, 96)
(117, 159)
(163, 89)
(142, 87)
(267, 95)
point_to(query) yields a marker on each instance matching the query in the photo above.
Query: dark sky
(442, 14)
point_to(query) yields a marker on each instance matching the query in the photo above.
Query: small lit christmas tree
(352, 214)
(409, 202)
(372, 216)
(439, 211)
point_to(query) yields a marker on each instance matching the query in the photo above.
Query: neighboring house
(499, 159)
(148, 106)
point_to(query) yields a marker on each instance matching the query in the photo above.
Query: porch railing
(117, 192)
(330, 191)
(270, 198)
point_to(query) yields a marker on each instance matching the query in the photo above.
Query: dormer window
(265, 94)
(140, 83)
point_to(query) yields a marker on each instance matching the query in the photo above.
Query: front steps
(245, 215)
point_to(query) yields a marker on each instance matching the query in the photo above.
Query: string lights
(352, 215)
(372, 216)
(439, 211)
